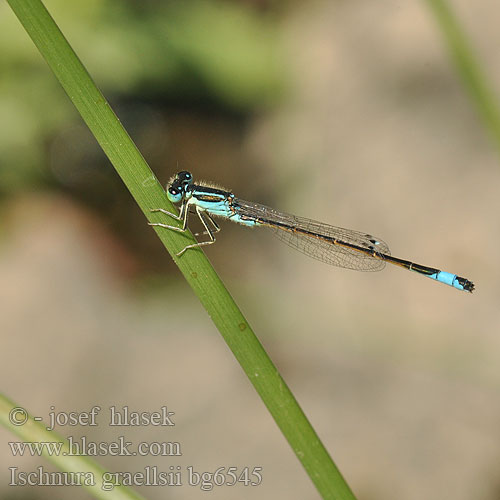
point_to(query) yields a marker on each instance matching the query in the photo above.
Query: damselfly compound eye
(185, 177)
(174, 194)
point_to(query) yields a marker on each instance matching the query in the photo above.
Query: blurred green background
(350, 113)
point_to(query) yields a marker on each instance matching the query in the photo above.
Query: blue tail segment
(452, 280)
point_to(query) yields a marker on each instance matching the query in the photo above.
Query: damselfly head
(180, 186)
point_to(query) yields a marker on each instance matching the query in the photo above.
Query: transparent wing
(317, 248)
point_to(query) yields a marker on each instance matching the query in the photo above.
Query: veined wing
(351, 250)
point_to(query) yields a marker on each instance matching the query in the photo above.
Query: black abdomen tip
(468, 286)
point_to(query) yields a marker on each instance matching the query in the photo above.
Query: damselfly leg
(183, 215)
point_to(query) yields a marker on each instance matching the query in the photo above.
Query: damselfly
(333, 245)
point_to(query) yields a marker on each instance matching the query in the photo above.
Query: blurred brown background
(347, 112)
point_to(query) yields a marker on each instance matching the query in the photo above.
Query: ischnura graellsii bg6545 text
(330, 244)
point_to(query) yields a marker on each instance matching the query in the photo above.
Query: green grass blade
(210, 290)
(468, 67)
(36, 432)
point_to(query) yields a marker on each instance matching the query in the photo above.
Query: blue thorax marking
(212, 200)
(219, 203)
